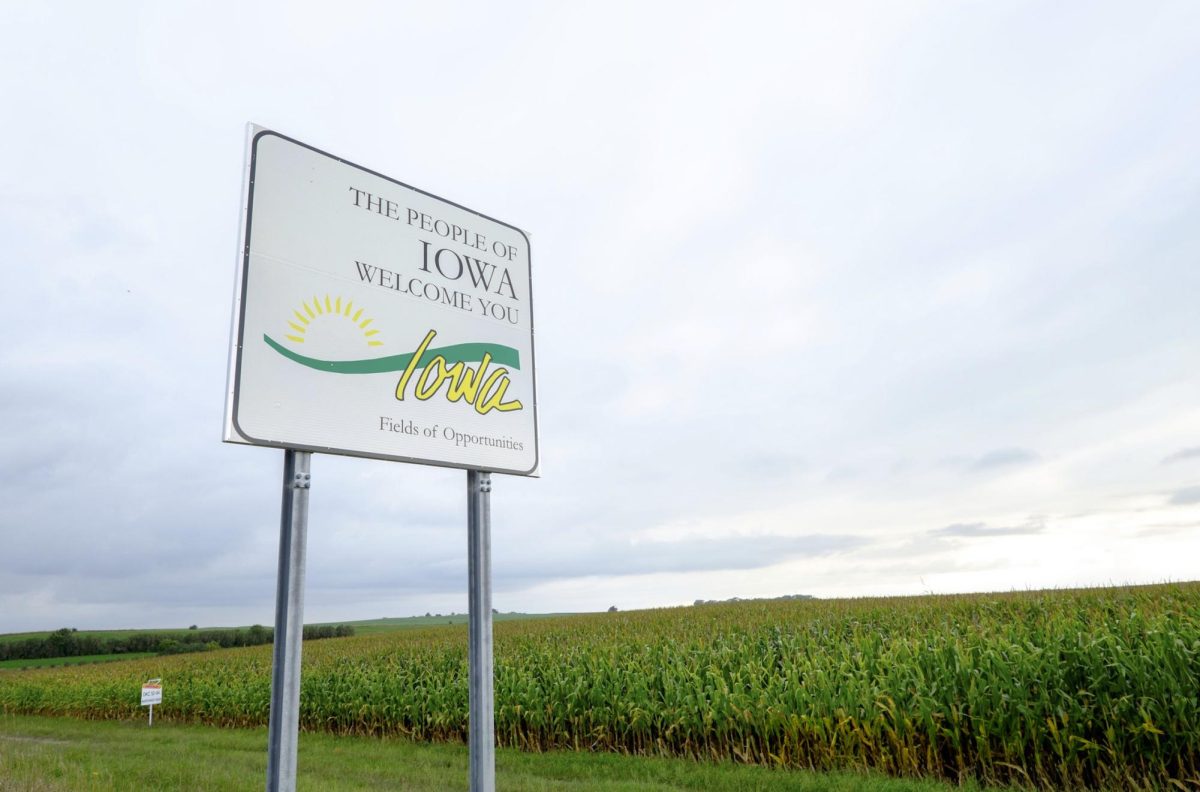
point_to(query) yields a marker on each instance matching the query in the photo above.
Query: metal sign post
(377, 320)
(284, 725)
(481, 724)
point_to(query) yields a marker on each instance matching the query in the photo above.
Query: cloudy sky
(831, 298)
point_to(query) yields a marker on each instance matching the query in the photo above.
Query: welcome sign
(374, 319)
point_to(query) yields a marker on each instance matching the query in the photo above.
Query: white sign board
(151, 694)
(377, 320)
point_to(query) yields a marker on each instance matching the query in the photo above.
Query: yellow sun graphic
(317, 308)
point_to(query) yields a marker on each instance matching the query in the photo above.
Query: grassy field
(64, 755)
(6, 637)
(361, 627)
(375, 626)
(50, 662)
(1062, 690)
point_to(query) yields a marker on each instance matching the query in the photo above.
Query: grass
(361, 627)
(49, 662)
(39, 754)
(374, 626)
(12, 637)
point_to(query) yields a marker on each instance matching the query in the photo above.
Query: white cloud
(814, 285)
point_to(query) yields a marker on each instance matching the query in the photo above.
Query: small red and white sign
(151, 694)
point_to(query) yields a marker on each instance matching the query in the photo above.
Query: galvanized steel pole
(284, 725)
(481, 726)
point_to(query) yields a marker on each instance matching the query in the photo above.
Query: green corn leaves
(1059, 690)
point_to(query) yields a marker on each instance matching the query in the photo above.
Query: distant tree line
(68, 642)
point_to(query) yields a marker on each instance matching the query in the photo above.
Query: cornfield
(1090, 689)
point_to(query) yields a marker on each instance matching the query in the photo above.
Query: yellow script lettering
(484, 389)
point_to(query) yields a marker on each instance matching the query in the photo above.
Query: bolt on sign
(374, 319)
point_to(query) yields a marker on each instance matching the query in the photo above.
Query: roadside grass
(39, 754)
(49, 662)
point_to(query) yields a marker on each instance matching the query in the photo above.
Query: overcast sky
(831, 298)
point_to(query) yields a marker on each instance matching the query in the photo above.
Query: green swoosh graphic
(455, 353)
